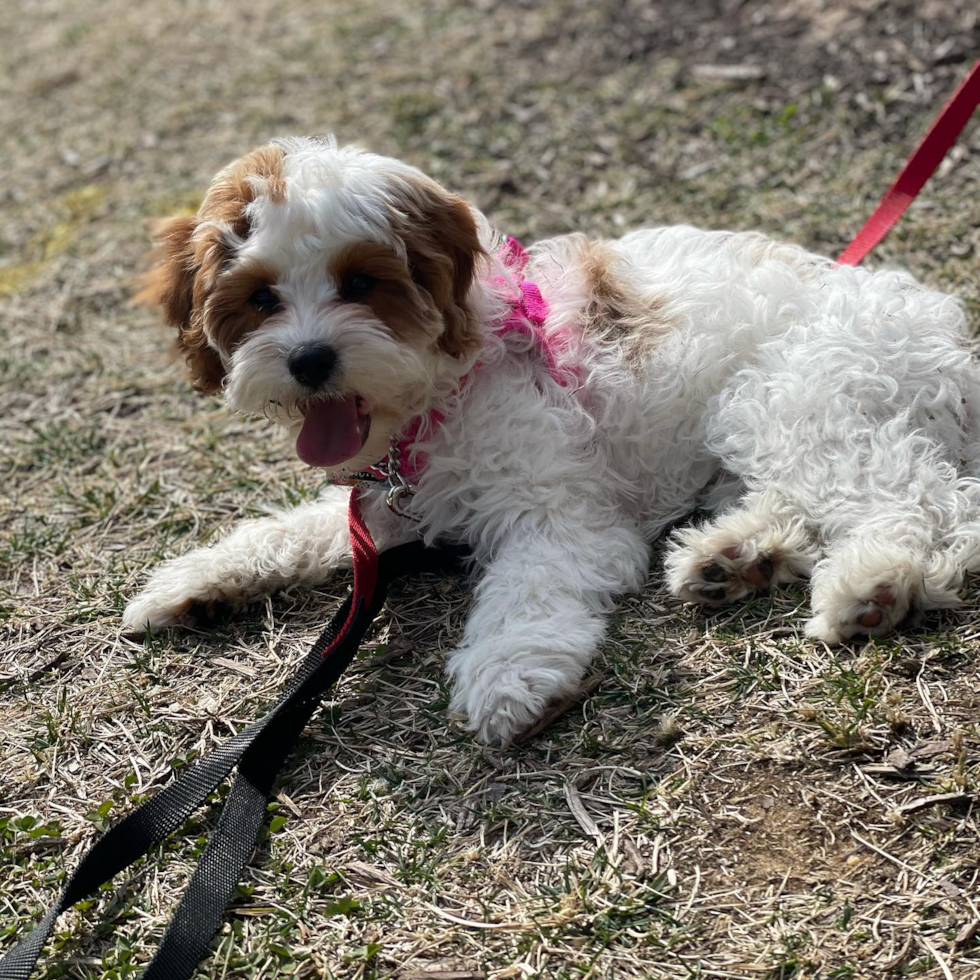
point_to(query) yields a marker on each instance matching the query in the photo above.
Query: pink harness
(527, 316)
(529, 312)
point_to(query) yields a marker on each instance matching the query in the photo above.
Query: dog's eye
(357, 285)
(264, 300)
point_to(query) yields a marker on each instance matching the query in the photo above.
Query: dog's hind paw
(873, 614)
(716, 563)
(871, 589)
(724, 577)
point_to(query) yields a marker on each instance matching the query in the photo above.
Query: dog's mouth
(334, 430)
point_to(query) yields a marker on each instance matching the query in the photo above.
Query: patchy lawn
(730, 800)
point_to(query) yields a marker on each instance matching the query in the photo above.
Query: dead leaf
(924, 802)
(898, 758)
(581, 815)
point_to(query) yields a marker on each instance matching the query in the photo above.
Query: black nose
(312, 366)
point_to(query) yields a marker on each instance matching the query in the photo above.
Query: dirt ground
(729, 800)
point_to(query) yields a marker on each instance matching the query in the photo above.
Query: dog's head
(327, 288)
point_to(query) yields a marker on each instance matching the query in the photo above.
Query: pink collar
(527, 315)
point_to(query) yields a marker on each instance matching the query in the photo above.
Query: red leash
(920, 167)
(364, 553)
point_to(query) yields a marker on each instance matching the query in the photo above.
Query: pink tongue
(332, 432)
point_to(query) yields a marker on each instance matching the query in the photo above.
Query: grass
(730, 800)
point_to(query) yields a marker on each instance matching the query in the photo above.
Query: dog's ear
(170, 284)
(443, 247)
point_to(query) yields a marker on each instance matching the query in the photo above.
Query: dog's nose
(312, 366)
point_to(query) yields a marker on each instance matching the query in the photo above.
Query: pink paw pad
(882, 599)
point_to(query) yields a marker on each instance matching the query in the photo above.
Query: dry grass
(730, 801)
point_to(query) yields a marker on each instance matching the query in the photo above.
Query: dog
(823, 419)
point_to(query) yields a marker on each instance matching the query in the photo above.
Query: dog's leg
(537, 620)
(302, 546)
(898, 540)
(761, 543)
(866, 428)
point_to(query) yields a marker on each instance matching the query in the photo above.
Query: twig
(492, 926)
(888, 857)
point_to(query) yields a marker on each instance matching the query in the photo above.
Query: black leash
(260, 752)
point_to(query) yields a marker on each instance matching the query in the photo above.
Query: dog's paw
(503, 698)
(867, 590)
(722, 577)
(181, 593)
(153, 611)
(876, 610)
(714, 565)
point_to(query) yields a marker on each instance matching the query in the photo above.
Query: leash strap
(920, 167)
(260, 751)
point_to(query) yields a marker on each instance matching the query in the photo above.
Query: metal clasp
(400, 490)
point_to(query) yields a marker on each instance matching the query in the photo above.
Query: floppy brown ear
(443, 246)
(170, 285)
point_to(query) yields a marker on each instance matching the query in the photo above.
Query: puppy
(564, 407)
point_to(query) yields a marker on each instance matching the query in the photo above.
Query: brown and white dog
(826, 416)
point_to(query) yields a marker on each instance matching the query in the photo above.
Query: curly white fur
(825, 416)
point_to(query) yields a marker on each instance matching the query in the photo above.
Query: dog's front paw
(181, 593)
(502, 698)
